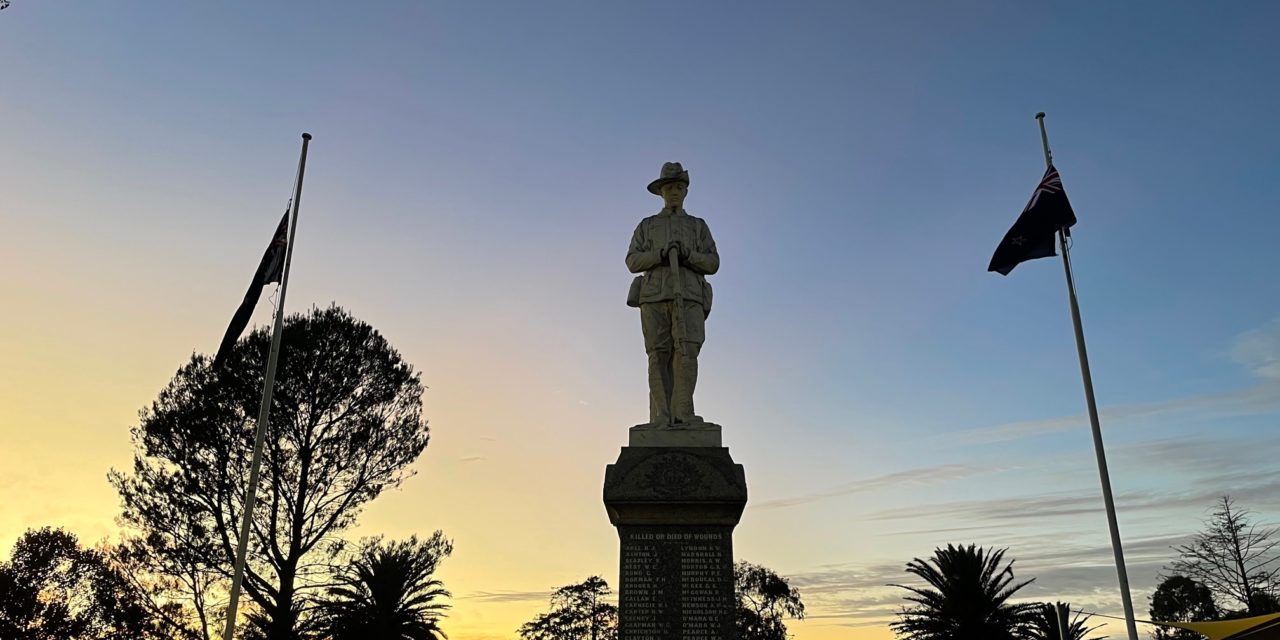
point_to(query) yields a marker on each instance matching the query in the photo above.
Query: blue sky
(476, 173)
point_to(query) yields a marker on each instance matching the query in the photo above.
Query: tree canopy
(345, 424)
(581, 611)
(578, 612)
(1181, 599)
(1235, 558)
(52, 589)
(763, 600)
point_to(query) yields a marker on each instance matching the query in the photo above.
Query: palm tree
(388, 593)
(967, 598)
(1044, 624)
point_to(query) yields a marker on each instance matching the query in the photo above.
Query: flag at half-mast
(1032, 235)
(270, 270)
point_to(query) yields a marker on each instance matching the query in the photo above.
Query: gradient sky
(477, 171)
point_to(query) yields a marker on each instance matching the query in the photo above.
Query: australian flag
(1033, 235)
(270, 270)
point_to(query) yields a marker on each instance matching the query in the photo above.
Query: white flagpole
(268, 384)
(1103, 475)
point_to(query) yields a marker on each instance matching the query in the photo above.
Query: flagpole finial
(306, 136)
(1039, 115)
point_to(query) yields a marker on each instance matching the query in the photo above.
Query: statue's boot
(660, 387)
(685, 372)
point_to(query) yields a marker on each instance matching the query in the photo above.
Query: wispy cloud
(839, 578)
(861, 595)
(932, 531)
(1257, 399)
(1257, 350)
(923, 476)
(506, 596)
(1260, 485)
(856, 595)
(1058, 536)
(1205, 456)
(1069, 565)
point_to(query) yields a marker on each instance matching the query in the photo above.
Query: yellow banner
(1256, 628)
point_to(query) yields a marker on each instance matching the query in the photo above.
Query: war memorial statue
(675, 252)
(674, 494)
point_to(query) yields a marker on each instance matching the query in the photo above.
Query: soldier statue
(674, 252)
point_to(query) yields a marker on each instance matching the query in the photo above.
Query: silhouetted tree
(52, 589)
(1235, 558)
(1181, 599)
(1043, 624)
(389, 591)
(173, 575)
(1262, 603)
(763, 599)
(345, 424)
(966, 597)
(578, 612)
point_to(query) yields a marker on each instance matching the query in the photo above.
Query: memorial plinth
(675, 496)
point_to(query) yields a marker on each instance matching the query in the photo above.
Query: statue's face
(673, 193)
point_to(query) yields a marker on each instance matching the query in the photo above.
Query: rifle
(677, 319)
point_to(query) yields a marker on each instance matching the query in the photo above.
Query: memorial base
(675, 509)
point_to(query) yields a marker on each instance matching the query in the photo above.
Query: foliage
(256, 624)
(1235, 558)
(345, 423)
(763, 598)
(966, 597)
(578, 612)
(52, 589)
(388, 591)
(1181, 599)
(1043, 624)
(1263, 602)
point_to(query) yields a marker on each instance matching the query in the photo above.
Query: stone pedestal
(675, 496)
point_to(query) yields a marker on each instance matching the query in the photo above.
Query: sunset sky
(477, 171)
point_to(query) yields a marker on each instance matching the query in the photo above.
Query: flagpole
(1087, 378)
(264, 410)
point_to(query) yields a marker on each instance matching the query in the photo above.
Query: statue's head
(672, 184)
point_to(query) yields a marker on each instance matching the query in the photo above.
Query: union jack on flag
(1050, 184)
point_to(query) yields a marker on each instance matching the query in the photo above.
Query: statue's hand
(679, 248)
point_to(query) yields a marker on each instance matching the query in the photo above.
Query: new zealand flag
(1032, 236)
